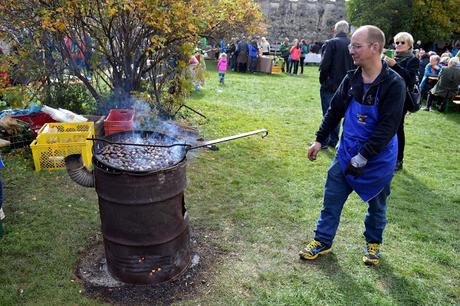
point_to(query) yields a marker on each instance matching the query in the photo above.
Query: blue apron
(358, 125)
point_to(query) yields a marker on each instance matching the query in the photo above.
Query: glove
(356, 166)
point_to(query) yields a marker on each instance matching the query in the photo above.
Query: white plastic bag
(63, 115)
(72, 116)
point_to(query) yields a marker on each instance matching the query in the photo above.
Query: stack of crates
(55, 141)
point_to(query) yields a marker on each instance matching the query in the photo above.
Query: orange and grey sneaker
(372, 254)
(313, 249)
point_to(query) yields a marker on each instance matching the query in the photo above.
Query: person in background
(295, 56)
(203, 42)
(446, 54)
(456, 48)
(335, 62)
(265, 46)
(303, 53)
(447, 86)
(431, 69)
(253, 55)
(424, 59)
(232, 55)
(316, 47)
(284, 51)
(406, 65)
(242, 59)
(222, 46)
(222, 67)
(444, 60)
(193, 67)
(370, 99)
(418, 45)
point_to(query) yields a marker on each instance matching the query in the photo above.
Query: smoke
(166, 132)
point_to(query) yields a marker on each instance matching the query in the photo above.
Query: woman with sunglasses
(406, 65)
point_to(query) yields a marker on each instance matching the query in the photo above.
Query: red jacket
(295, 53)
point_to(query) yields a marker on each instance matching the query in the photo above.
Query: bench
(456, 101)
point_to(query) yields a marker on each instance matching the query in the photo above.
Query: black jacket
(407, 68)
(335, 62)
(390, 107)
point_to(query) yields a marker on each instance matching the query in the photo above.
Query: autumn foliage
(126, 45)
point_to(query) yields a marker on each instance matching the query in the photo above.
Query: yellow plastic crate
(50, 149)
(276, 69)
(61, 127)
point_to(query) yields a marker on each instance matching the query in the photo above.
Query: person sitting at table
(430, 75)
(447, 86)
(444, 60)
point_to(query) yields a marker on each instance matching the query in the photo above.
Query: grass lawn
(259, 198)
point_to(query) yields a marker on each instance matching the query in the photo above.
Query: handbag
(414, 98)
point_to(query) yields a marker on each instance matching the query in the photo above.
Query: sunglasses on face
(400, 42)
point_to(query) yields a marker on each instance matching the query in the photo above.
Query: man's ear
(375, 47)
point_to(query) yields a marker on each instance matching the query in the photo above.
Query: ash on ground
(99, 284)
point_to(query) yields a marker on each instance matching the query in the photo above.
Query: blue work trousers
(336, 192)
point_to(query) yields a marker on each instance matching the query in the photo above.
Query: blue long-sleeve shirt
(429, 72)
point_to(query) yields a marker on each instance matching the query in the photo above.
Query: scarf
(400, 57)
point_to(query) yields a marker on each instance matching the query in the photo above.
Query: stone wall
(309, 19)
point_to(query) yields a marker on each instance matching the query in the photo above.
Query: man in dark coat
(242, 58)
(335, 62)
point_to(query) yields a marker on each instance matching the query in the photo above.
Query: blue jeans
(336, 192)
(326, 97)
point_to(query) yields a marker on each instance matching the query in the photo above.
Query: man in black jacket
(335, 62)
(371, 100)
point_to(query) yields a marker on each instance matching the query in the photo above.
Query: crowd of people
(243, 53)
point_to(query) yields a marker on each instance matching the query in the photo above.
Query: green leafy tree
(427, 20)
(434, 20)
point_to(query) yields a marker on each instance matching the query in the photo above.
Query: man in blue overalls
(370, 99)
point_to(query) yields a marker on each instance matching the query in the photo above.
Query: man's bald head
(374, 35)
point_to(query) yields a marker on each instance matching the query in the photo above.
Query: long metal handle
(188, 146)
(224, 139)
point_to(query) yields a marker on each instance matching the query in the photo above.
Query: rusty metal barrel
(144, 223)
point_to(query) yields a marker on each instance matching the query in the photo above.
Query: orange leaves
(113, 11)
(57, 25)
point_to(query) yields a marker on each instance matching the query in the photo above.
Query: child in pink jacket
(222, 67)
